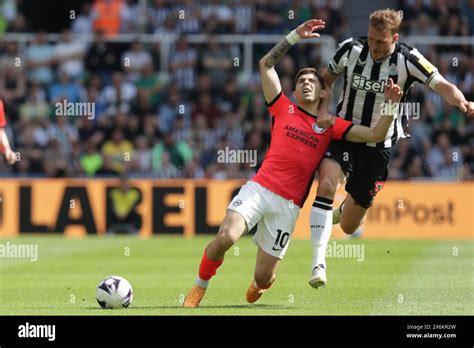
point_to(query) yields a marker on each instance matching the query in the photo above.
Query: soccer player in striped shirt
(367, 63)
(273, 197)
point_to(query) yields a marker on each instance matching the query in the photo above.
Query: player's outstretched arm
(362, 134)
(270, 82)
(452, 95)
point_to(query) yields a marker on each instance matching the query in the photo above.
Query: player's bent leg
(265, 273)
(230, 230)
(352, 216)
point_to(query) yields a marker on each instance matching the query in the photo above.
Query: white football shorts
(275, 216)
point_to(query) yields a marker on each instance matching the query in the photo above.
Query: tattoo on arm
(276, 53)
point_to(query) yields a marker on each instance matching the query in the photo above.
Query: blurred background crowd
(150, 123)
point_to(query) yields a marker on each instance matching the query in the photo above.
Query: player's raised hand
(392, 91)
(467, 107)
(10, 156)
(308, 28)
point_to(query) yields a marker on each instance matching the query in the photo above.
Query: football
(114, 292)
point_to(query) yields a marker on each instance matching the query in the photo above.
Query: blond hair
(386, 19)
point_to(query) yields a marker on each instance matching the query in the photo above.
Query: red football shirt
(296, 149)
(3, 121)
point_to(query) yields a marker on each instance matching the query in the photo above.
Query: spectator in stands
(65, 89)
(91, 160)
(179, 153)
(118, 96)
(141, 157)
(206, 107)
(468, 12)
(170, 109)
(168, 169)
(402, 156)
(189, 18)
(183, 65)
(182, 129)
(107, 16)
(40, 59)
(444, 161)
(35, 105)
(118, 150)
(64, 132)
(217, 63)
(269, 16)
(12, 60)
(424, 26)
(131, 18)
(160, 12)
(149, 85)
(84, 22)
(218, 17)
(55, 159)
(8, 13)
(134, 59)
(101, 58)
(69, 54)
(12, 87)
(121, 214)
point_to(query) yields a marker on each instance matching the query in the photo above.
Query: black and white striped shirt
(364, 81)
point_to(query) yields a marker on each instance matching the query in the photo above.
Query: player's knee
(327, 187)
(264, 278)
(349, 227)
(224, 239)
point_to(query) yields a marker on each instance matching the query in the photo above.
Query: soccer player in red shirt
(4, 143)
(273, 197)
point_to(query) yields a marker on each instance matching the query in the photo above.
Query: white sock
(321, 227)
(202, 283)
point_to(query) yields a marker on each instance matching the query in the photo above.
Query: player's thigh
(352, 215)
(276, 226)
(266, 265)
(243, 212)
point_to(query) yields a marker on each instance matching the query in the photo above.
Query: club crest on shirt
(392, 70)
(318, 129)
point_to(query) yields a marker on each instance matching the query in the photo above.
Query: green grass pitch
(395, 277)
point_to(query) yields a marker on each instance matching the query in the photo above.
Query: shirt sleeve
(340, 128)
(339, 60)
(280, 104)
(421, 69)
(3, 121)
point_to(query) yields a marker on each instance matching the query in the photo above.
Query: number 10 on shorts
(281, 239)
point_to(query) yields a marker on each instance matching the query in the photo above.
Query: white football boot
(318, 277)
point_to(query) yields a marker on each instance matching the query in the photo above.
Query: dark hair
(310, 71)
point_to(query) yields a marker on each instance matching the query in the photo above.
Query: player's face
(307, 89)
(380, 42)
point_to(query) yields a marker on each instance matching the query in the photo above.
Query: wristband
(292, 37)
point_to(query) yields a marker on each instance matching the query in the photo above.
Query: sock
(207, 269)
(321, 227)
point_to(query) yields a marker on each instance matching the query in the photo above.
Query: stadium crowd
(150, 124)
